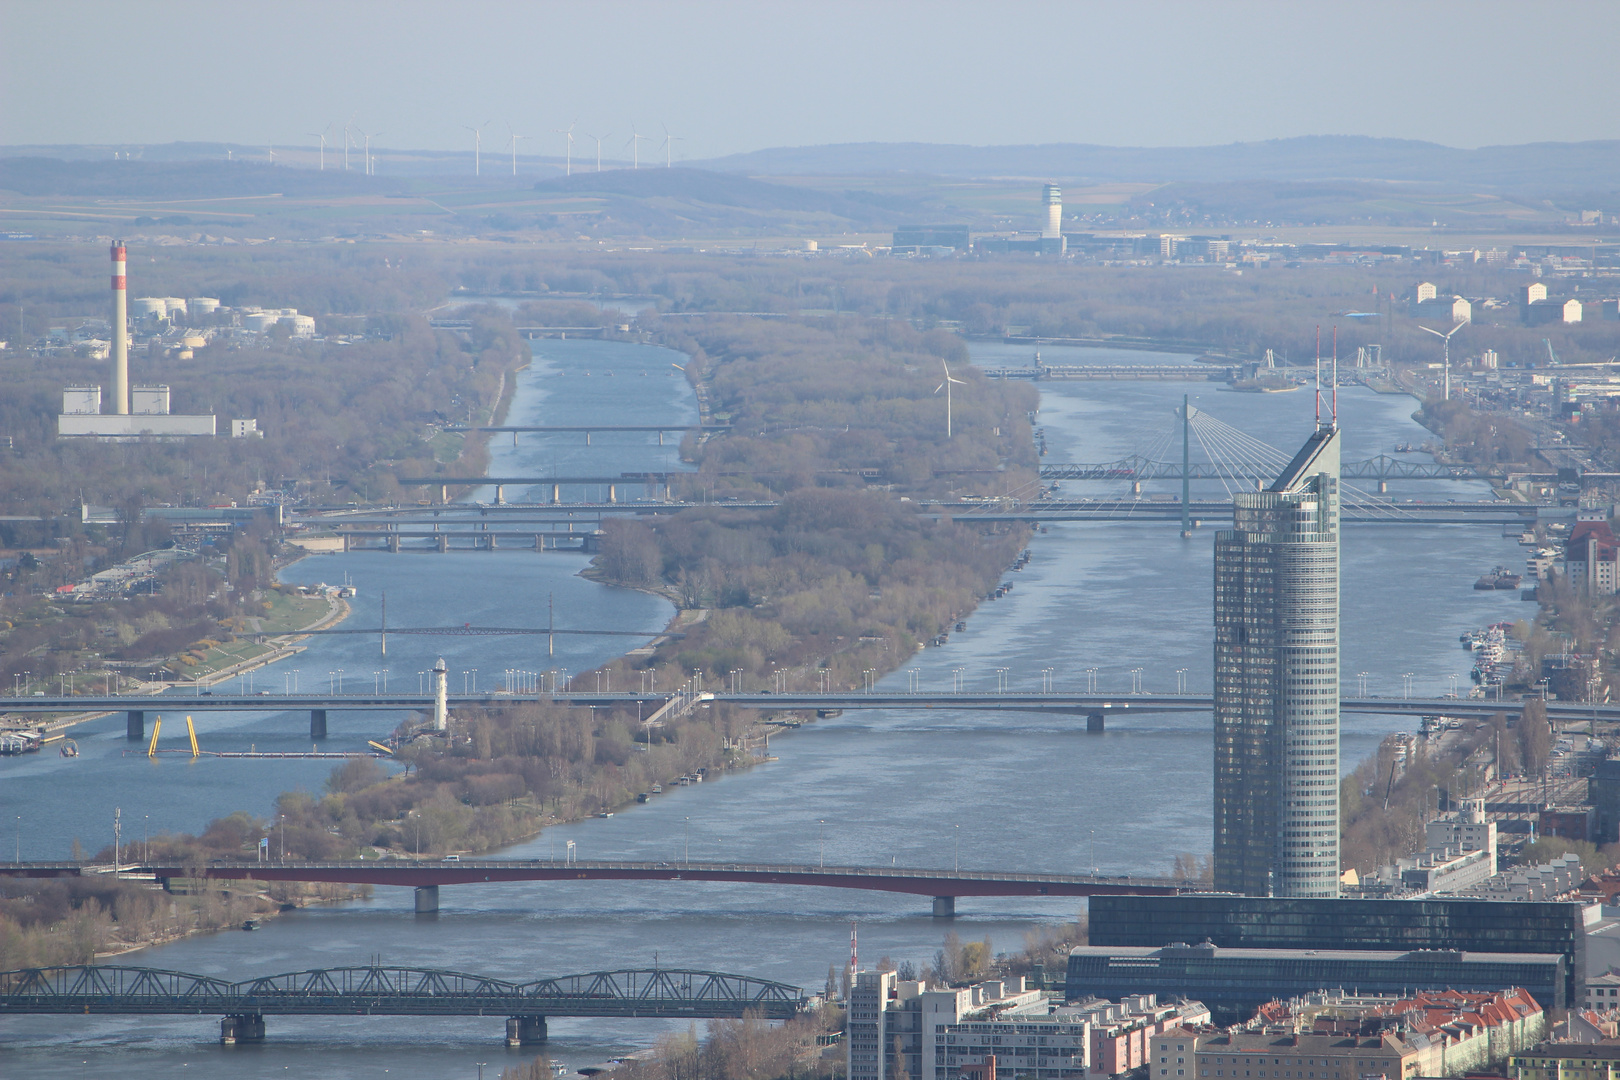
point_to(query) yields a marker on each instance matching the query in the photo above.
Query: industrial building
(1254, 922)
(1235, 982)
(143, 413)
(1276, 817)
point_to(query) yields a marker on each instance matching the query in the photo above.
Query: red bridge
(944, 886)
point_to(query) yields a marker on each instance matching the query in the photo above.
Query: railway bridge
(88, 990)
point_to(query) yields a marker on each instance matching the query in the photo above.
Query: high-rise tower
(1277, 682)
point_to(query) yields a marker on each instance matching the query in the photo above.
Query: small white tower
(441, 693)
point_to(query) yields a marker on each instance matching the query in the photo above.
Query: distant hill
(1531, 167)
(662, 200)
(177, 179)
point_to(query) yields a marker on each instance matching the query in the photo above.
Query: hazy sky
(735, 75)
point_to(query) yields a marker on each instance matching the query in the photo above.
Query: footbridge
(393, 991)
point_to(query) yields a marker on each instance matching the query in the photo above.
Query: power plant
(81, 415)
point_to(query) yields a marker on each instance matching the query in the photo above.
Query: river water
(937, 788)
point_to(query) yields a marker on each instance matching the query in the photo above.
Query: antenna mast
(1319, 375)
(1335, 376)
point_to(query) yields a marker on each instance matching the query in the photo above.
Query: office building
(1235, 982)
(1277, 682)
(1249, 922)
(893, 1023)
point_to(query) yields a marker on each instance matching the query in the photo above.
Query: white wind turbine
(514, 141)
(568, 159)
(635, 147)
(1446, 337)
(668, 147)
(478, 145)
(321, 135)
(366, 152)
(946, 386)
(598, 142)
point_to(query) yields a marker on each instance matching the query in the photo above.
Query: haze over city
(788, 541)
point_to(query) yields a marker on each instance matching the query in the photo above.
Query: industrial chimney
(1054, 213)
(120, 330)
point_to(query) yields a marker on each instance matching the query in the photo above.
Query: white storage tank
(176, 305)
(302, 325)
(144, 306)
(193, 341)
(260, 321)
(202, 305)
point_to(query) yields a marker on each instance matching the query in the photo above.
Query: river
(930, 789)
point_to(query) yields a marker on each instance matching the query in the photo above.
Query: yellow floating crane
(157, 726)
(192, 731)
(385, 749)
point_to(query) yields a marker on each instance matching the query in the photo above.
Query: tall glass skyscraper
(1277, 682)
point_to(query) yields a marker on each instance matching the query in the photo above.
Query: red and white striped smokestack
(120, 341)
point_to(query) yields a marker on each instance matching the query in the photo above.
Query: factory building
(138, 414)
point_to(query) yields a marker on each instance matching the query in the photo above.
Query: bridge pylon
(525, 1030)
(241, 1028)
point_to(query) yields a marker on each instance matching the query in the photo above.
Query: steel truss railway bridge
(393, 991)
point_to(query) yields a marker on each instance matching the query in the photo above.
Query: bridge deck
(421, 873)
(394, 991)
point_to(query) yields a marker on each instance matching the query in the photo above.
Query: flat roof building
(1235, 982)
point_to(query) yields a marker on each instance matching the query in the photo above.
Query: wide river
(912, 788)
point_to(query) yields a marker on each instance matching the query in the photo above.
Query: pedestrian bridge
(394, 991)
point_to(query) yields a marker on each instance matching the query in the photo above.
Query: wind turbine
(271, 150)
(946, 386)
(568, 159)
(514, 141)
(669, 147)
(635, 146)
(598, 142)
(368, 136)
(478, 145)
(346, 146)
(1446, 337)
(321, 135)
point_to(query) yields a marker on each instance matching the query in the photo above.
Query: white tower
(1053, 196)
(441, 693)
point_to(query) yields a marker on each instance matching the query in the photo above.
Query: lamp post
(956, 831)
(821, 835)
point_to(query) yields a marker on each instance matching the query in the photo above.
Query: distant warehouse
(954, 237)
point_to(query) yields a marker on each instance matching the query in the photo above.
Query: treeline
(837, 420)
(60, 921)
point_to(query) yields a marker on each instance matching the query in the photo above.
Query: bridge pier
(500, 494)
(393, 542)
(442, 542)
(1383, 487)
(1094, 722)
(944, 907)
(613, 493)
(525, 1030)
(246, 1028)
(427, 899)
(317, 723)
(135, 724)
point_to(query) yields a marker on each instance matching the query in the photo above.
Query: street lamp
(1091, 680)
(956, 831)
(821, 834)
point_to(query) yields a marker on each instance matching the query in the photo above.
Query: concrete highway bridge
(392, 991)
(426, 876)
(1096, 708)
